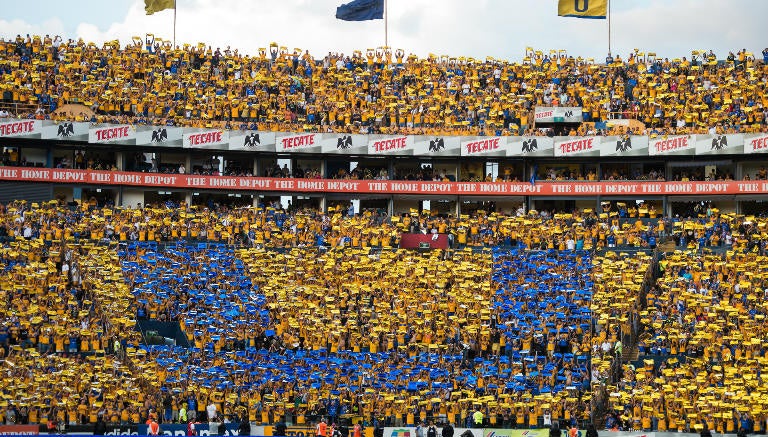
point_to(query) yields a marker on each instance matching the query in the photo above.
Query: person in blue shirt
(192, 407)
(745, 423)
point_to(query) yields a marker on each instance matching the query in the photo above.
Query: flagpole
(386, 19)
(174, 24)
(609, 27)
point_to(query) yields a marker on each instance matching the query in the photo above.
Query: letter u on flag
(583, 8)
(361, 10)
(152, 6)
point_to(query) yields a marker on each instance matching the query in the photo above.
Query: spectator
(153, 428)
(101, 427)
(477, 418)
(447, 430)
(211, 412)
(280, 429)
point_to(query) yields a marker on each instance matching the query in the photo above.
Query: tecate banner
(557, 114)
(21, 128)
(389, 145)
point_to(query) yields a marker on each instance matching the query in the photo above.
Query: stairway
(628, 355)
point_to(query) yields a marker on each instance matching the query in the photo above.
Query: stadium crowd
(307, 314)
(282, 329)
(274, 227)
(379, 91)
(703, 349)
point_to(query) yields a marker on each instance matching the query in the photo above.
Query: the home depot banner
(344, 186)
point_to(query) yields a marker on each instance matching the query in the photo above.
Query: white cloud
(477, 28)
(15, 27)
(673, 29)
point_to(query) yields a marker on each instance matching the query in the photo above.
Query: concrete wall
(132, 197)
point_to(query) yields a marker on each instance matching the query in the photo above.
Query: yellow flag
(152, 6)
(583, 8)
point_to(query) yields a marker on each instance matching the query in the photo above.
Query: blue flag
(361, 10)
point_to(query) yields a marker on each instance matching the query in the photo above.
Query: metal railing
(624, 115)
(16, 109)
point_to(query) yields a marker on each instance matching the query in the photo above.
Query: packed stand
(620, 279)
(65, 329)
(274, 227)
(277, 328)
(293, 331)
(380, 91)
(326, 338)
(702, 343)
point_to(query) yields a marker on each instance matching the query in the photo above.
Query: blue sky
(477, 28)
(100, 12)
